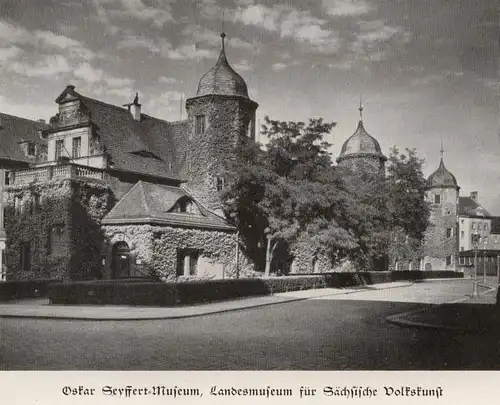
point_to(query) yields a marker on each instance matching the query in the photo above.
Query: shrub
(131, 292)
(10, 290)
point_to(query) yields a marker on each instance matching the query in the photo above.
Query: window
(473, 225)
(479, 226)
(449, 232)
(76, 147)
(485, 226)
(448, 260)
(220, 183)
(462, 221)
(437, 199)
(186, 206)
(485, 240)
(187, 262)
(31, 149)
(462, 248)
(18, 204)
(25, 256)
(59, 148)
(7, 178)
(462, 234)
(495, 238)
(56, 241)
(35, 202)
(396, 265)
(199, 125)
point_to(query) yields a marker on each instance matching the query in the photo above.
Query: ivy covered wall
(229, 119)
(73, 207)
(154, 250)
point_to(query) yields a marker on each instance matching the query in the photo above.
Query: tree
(407, 186)
(291, 190)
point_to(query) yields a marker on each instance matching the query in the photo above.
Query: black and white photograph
(250, 185)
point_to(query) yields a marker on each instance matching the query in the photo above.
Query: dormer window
(199, 125)
(31, 149)
(186, 206)
(437, 199)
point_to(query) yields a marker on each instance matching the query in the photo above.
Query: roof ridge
(22, 118)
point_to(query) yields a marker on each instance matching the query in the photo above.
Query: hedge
(117, 292)
(10, 290)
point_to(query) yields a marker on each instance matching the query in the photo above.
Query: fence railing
(48, 173)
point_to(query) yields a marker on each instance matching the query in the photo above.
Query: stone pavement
(40, 308)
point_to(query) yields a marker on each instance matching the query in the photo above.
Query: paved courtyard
(337, 332)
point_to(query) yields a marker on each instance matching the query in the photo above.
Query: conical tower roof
(360, 142)
(222, 79)
(442, 178)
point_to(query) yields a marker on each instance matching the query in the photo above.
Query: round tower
(441, 237)
(362, 151)
(219, 116)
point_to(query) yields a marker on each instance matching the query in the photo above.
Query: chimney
(473, 196)
(135, 108)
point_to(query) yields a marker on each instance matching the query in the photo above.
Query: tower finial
(442, 150)
(360, 107)
(222, 35)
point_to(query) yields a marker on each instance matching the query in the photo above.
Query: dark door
(121, 260)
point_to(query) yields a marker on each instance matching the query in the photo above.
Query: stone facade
(227, 120)
(161, 251)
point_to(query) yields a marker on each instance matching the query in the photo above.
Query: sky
(427, 70)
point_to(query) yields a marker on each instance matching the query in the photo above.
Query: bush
(10, 290)
(115, 292)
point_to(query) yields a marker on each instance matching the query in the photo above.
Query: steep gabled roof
(148, 203)
(13, 131)
(128, 142)
(468, 207)
(147, 146)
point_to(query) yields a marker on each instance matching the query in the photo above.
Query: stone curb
(399, 319)
(191, 315)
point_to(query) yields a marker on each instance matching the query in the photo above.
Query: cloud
(49, 66)
(14, 34)
(277, 67)
(345, 8)
(168, 80)
(168, 101)
(88, 73)
(134, 9)
(259, 16)
(118, 81)
(199, 35)
(185, 52)
(290, 22)
(62, 42)
(306, 29)
(33, 111)
(377, 41)
(138, 41)
(124, 92)
(242, 66)
(10, 53)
